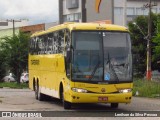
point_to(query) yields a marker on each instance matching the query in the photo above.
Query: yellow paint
(82, 26)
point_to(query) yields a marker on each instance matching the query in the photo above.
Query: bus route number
(34, 62)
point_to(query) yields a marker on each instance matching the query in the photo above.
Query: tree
(156, 51)
(16, 53)
(139, 42)
(2, 65)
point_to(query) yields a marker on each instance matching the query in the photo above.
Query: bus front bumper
(100, 98)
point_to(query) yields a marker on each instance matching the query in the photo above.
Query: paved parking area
(24, 100)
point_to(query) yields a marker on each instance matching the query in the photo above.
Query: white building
(84, 11)
(127, 10)
(119, 12)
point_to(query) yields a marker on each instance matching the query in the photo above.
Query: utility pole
(18, 70)
(125, 13)
(149, 70)
(13, 28)
(149, 36)
(13, 21)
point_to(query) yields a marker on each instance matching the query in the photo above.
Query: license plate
(102, 98)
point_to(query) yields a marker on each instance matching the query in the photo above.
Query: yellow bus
(82, 63)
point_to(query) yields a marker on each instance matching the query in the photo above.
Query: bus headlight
(125, 90)
(79, 90)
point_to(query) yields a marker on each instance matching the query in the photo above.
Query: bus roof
(82, 26)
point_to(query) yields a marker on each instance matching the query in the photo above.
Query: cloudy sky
(37, 11)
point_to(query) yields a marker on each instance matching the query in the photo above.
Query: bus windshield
(101, 56)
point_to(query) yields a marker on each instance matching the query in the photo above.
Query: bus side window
(60, 41)
(50, 43)
(54, 43)
(67, 39)
(40, 45)
(45, 41)
(31, 48)
(36, 46)
(67, 46)
(55, 47)
(33, 44)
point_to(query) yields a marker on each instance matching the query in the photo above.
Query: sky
(37, 11)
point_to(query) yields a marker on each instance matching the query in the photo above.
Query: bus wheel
(36, 91)
(66, 105)
(39, 96)
(114, 105)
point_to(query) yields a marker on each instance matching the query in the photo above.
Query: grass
(146, 88)
(13, 85)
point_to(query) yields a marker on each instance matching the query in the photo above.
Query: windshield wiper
(122, 64)
(94, 71)
(108, 61)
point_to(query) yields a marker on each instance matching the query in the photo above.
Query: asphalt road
(24, 100)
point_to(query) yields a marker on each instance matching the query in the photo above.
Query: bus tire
(33, 85)
(36, 90)
(39, 96)
(114, 105)
(66, 105)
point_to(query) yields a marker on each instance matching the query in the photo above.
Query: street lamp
(148, 37)
(134, 23)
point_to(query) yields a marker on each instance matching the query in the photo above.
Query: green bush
(14, 85)
(146, 88)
